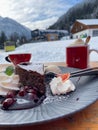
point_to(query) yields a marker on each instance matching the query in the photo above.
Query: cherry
(8, 102)
(32, 91)
(22, 92)
(10, 94)
(26, 88)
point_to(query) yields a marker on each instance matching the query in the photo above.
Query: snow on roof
(88, 21)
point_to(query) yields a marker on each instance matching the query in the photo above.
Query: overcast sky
(35, 13)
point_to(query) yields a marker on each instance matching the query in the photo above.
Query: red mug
(18, 58)
(77, 56)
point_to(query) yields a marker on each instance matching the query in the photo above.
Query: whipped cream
(9, 82)
(61, 87)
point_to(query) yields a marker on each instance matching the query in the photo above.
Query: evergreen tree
(14, 36)
(3, 38)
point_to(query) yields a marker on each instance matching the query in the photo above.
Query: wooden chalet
(85, 27)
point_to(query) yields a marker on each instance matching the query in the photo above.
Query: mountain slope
(85, 10)
(10, 27)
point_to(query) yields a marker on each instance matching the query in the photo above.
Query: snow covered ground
(53, 51)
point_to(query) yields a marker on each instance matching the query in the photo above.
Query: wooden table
(86, 119)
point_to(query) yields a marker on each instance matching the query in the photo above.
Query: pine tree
(3, 38)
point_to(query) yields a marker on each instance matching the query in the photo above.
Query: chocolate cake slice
(32, 75)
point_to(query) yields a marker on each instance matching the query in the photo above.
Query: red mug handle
(7, 59)
(93, 50)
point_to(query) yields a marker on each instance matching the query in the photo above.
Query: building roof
(88, 21)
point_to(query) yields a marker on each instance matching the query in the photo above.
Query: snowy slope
(50, 51)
